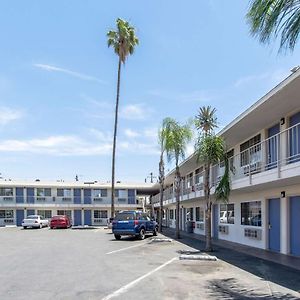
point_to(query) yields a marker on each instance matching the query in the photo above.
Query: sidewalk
(219, 246)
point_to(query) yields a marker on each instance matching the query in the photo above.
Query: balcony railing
(272, 153)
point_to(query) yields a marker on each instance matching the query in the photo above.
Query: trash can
(190, 226)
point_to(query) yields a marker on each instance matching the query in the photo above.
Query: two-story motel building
(86, 203)
(264, 206)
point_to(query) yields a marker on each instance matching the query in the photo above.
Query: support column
(284, 226)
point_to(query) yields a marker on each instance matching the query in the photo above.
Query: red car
(60, 222)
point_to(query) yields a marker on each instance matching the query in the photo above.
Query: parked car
(60, 222)
(134, 223)
(256, 220)
(35, 221)
(110, 222)
(227, 217)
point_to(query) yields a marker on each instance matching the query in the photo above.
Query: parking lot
(91, 264)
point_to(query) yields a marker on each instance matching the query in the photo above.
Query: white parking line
(126, 287)
(119, 250)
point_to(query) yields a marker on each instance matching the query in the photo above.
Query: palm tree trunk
(114, 143)
(208, 246)
(161, 181)
(177, 188)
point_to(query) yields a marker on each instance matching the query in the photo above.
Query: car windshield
(125, 216)
(32, 217)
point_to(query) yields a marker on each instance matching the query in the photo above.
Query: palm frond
(206, 119)
(269, 18)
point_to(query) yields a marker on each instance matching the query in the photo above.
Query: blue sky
(58, 81)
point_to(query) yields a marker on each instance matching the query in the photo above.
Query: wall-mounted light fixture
(282, 121)
(282, 194)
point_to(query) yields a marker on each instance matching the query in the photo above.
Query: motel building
(86, 203)
(264, 205)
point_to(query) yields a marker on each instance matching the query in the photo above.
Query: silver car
(35, 221)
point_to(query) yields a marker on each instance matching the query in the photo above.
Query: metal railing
(272, 153)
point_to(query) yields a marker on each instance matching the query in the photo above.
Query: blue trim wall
(77, 196)
(87, 196)
(30, 195)
(19, 195)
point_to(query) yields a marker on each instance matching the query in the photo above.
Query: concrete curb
(204, 257)
(83, 227)
(160, 240)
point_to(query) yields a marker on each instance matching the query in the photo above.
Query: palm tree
(123, 40)
(210, 150)
(177, 137)
(161, 141)
(267, 18)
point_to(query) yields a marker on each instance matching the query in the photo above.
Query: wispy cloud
(196, 96)
(131, 133)
(9, 114)
(135, 112)
(271, 78)
(75, 74)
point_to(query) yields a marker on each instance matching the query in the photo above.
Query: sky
(58, 81)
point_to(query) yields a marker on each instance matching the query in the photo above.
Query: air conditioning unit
(253, 233)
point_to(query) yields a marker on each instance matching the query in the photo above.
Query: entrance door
(184, 219)
(20, 216)
(77, 217)
(216, 221)
(274, 224)
(295, 225)
(88, 217)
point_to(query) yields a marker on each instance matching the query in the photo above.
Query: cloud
(197, 96)
(271, 78)
(61, 145)
(131, 133)
(135, 112)
(82, 76)
(8, 115)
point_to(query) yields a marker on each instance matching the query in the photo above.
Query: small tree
(177, 137)
(210, 150)
(123, 40)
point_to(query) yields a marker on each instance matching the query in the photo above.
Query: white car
(35, 221)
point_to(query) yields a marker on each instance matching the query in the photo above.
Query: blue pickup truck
(135, 223)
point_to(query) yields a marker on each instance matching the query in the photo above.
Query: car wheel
(155, 231)
(51, 227)
(142, 234)
(41, 226)
(117, 237)
(24, 227)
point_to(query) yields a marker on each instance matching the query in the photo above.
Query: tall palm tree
(123, 40)
(177, 137)
(161, 141)
(210, 150)
(267, 18)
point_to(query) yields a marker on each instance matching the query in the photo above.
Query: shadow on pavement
(270, 271)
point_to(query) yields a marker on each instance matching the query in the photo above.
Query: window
(227, 213)
(41, 192)
(6, 214)
(46, 214)
(171, 214)
(65, 213)
(253, 155)
(120, 193)
(100, 214)
(199, 176)
(64, 193)
(190, 180)
(6, 192)
(100, 193)
(199, 214)
(251, 213)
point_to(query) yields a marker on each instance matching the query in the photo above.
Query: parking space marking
(126, 287)
(123, 249)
